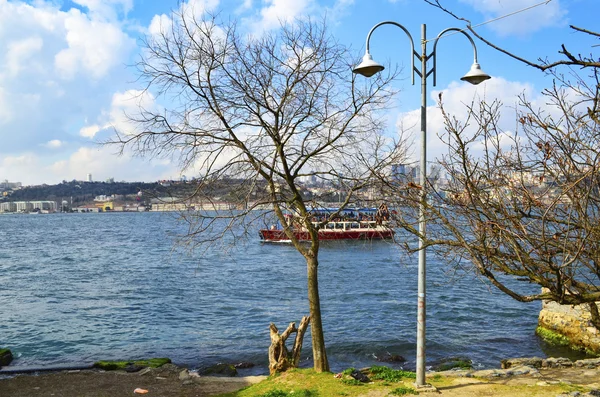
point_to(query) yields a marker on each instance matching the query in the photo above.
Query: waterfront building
(8, 207)
(23, 206)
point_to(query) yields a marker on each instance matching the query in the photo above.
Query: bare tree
(570, 59)
(262, 113)
(523, 203)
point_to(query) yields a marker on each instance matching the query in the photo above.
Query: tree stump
(280, 358)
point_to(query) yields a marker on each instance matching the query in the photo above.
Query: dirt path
(164, 382)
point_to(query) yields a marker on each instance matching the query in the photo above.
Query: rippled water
(75, 288)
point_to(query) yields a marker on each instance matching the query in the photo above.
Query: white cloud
(277, 11)
(31, 168)
(20, 51)
(127, 105)
(526, 22)
(160, 24)
(54, 144)
(106, 9)
(90, 131)
(93, 46)
(22, 160)
(455, 99)
(246, 5)
(57, 68)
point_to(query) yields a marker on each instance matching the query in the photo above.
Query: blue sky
(64, 74)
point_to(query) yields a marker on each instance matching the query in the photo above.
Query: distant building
(404, 172)
(28, 206)
(8, 207)
(6, 185)
(88, 178)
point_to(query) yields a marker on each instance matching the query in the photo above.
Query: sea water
(76, 288)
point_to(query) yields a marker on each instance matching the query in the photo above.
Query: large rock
(588, 363)
(6, 357)
(534, 362)
(131, 366)
(568, 325)
(557, 362)
(221, 369)
(452, 363)
(388, 357)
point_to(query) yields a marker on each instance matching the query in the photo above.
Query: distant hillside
(82, 192)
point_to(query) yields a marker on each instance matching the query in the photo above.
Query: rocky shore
(166, 381)
(556, 377)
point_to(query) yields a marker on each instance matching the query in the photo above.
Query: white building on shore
(29, 206)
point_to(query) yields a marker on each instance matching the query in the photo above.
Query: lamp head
(475, 75)
(368, 67)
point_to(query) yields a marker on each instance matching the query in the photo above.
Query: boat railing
(347, 225)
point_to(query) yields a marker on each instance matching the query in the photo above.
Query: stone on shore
(220, 369)
(131, 366)
(588, 363)
(551, 362)
(6, 357)
(452, 363)
(535, 362)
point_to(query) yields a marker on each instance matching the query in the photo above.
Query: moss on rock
(6, 357)
(453, 362)
(122, 365)
(552, 337)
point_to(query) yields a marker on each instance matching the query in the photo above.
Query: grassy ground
(307, 383)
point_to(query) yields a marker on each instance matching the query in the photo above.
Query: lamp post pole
(368, 68)
(422, 275)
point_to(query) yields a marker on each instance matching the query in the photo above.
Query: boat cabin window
(330, 226)
(354, 225)
(339, 225)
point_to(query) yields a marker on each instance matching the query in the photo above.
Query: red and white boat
(361, 224)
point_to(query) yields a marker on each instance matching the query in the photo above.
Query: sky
(66, 75)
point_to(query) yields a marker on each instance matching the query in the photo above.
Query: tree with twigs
(523, 203)
(271, 111)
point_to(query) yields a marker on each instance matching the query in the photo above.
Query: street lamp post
(368, 68)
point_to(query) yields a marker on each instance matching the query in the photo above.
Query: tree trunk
(318, 341)
(279, 358)
(297, 350)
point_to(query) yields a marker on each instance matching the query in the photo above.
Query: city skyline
(65, 83)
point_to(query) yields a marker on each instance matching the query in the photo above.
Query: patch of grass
(390, 375)
(308, 381)
(348, 371)
(570, 388)
(592, 353)
(116, 365)
(274, 393)
(295, 393)
(551, 337)
(403, 391)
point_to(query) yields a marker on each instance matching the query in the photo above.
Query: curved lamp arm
(435, 46)
(412, 44)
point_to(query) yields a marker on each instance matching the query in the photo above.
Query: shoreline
(171, 380)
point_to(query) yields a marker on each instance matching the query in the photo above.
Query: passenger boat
(352, 224)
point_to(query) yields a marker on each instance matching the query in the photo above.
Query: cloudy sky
(65, 78)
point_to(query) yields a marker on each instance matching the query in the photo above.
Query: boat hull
(365, 234)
